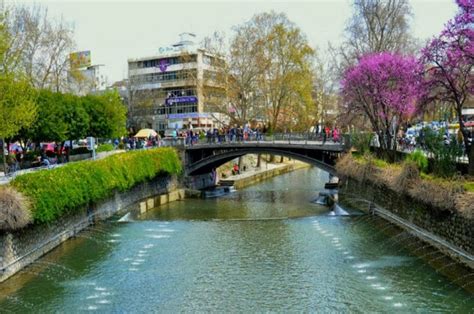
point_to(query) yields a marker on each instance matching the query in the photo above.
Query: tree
(267, 75)
(449, 60)
(107, 115)
(60, 117)
(38, 47)
(386, 88)
(376, 26)
(3, 41)
(285, 76)
(17, 106)
(17, 97)
(241, 74)
(50, 124)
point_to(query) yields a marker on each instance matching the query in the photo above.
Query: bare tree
(39, 46)
(375, 26)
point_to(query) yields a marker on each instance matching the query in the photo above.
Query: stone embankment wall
(454, 229)
(22, 247)
(262, 175)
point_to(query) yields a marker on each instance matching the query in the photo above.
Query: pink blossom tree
(386, 89)
(449, 60)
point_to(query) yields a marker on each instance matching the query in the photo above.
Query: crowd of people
(51, 153)
(409, 141)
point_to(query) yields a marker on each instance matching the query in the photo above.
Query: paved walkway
(6, 179)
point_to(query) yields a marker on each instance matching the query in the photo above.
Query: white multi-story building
(174, 89)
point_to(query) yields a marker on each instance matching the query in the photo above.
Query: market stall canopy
(145, 133)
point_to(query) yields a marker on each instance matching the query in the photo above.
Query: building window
(166, 76)
(169, 61)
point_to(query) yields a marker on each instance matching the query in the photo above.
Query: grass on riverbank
(445, 194)
(66, 189)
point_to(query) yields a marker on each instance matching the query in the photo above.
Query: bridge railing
(280, 138)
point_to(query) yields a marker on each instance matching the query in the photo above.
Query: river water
(264, 248)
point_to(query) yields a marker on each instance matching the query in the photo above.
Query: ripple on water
(364, 265)
(158, 236)
(94, 296)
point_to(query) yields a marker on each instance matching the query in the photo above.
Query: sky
(115, 31)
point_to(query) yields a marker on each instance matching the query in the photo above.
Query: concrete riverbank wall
(447, 230)
(257, 176)
(22, 247)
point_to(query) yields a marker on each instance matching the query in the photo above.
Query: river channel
(263, 248)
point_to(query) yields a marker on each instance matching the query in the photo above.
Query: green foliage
(380, 163)
(107, 115)
(443, 153)
(72, 187)
(68, 117)
(469, 186)
(361, 141)
(105, 148)
(419, 158)
(17, 105)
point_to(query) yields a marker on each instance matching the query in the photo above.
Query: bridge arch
(322, 159)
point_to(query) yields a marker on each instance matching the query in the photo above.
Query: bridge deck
(318, 145)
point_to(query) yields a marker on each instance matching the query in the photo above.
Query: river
(264, 248)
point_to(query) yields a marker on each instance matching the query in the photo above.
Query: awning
(145, 133)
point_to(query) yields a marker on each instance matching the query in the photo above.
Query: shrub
(105, 148)
(408, 176)
(75, 185)
(419, 158)
(361, 141)
(14, 209)
(444, 150)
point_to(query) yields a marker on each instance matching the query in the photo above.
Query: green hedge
(105, 148)
(71, 187)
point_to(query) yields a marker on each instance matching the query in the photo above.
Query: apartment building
(176, 88)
